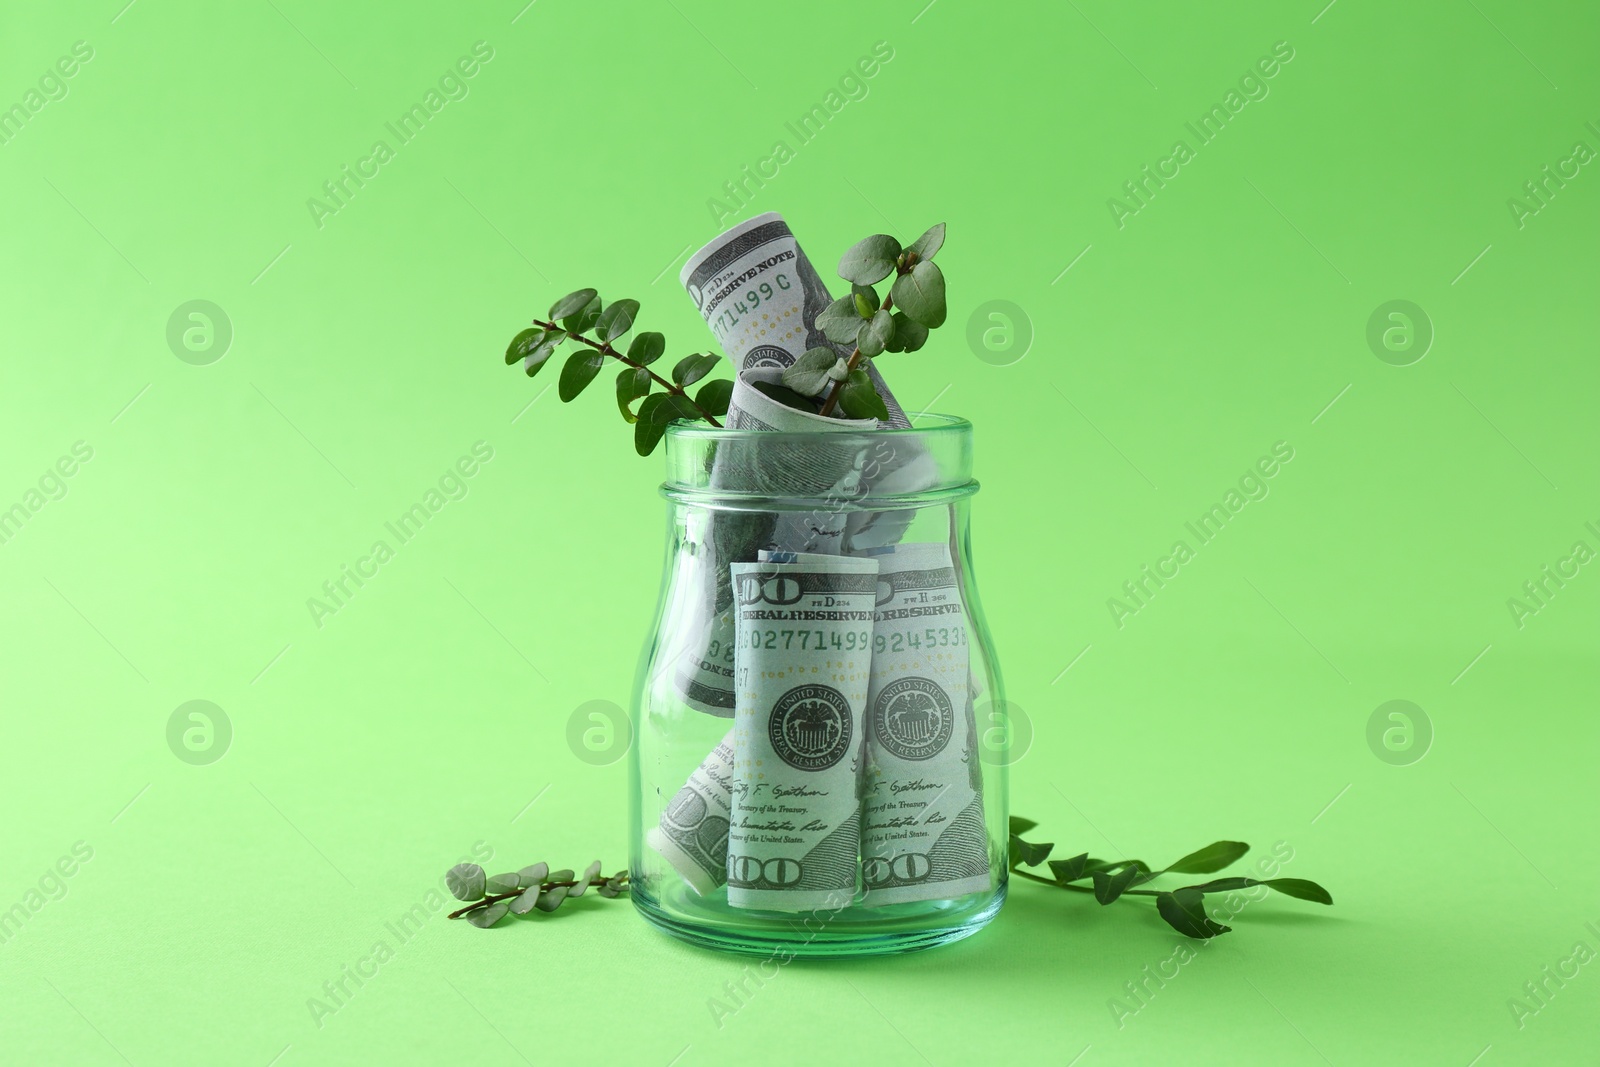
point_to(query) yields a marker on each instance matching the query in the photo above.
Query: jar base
(846, 941)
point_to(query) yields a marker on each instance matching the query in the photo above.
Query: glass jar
(808, 773)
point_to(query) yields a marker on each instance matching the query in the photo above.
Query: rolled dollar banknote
(693, 832)
(923, 834)
(802, 666)
(810, 469)
(761, 297)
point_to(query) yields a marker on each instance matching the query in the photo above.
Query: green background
(430, 712)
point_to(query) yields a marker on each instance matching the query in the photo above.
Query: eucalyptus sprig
(870, 325)
(1182, 908)
(495, 896)
(582, 312)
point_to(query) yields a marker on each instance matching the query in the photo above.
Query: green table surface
(1152, 349)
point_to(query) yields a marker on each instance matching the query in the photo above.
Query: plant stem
(855, 358)
(605, 347)
(1079, 888)
(543, 887)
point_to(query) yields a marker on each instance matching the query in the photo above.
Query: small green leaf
(589, 875)
(1070, 870)
(1213, 857)
(875, 334)
(551, 900)
(859, 398)
(929, 243)
(691, 369)
(909, 334)
(920, 294)
(532, 875)
(465, 881)
(648, 429)
(538, 350)
(647, 347)
(579, 371)
(572, 303)
(1028, 852)
(523, 343)
(656, 412)
(869, 260)
(484, 918)
(809, 373)
(632, 383)
(1300, 888)
(524, 902)
(840, 320)
(496, 884)
(617, 319)
(608, 891)
(1184, 910)
(714, 396)
(870, 295)
(1019, 825)
(584, 319)
(1108, 887)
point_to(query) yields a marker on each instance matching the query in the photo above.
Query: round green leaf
(809, 373)
(909, 334)
(647, 347)
(524, 902)
(840, 320)
(929, 243)
(572, 303)
(484, 918)
(523, 343)
(632, 383)
(551, 900)
(465, 881)
(532, 875)
(869, 260)
(617, 319)
(920, 294)
(859, 399)
(875, 334)
(584, 319)
(691, 369)
(648, 429)
(496, 884)
(714, 396)
(579, 371)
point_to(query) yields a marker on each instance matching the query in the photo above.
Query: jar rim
(929, 424)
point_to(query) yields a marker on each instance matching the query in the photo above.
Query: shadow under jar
(816, 770)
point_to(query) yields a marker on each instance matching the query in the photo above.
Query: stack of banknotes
(850, 772)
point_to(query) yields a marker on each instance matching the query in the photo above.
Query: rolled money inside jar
(802, 663)
(923, 835)
(813, 468)
(692, 834)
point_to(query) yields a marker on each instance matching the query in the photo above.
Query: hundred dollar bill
(761, 297)
(693, 832)
(923, 835)
(803, 660)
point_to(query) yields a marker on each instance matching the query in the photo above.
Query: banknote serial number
(748, 301)
(932, 637)
(819, 640)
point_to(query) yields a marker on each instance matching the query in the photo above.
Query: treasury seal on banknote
(810, 727)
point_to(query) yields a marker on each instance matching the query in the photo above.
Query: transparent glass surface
(730, 494)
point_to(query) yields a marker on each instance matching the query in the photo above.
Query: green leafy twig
(871, 325)
(493, 897)
(583, 311)
(1182, 908)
